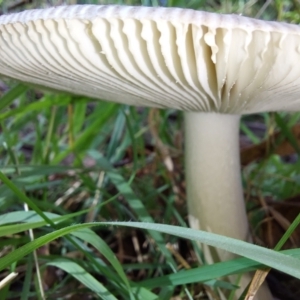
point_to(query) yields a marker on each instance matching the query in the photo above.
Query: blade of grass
(46, 102)
(92, 238)
(83, 276)
(24, 198)
(208, 272)
(27, 281)
(287, 132)
(84, 140)
(12, 94)
(271, 258)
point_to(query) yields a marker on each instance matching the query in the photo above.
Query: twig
(8, 279)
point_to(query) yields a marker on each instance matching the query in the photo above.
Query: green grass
(81, 164)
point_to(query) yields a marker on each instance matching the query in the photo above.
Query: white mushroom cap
(160, 57)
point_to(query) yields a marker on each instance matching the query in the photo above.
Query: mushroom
(213, 67)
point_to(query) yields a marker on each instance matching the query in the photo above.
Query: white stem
(214, 189)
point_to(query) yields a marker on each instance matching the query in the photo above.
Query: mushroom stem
(214, 190)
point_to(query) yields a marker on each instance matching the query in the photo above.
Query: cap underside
(158, 57)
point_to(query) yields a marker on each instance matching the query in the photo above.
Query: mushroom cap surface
(158, 57)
